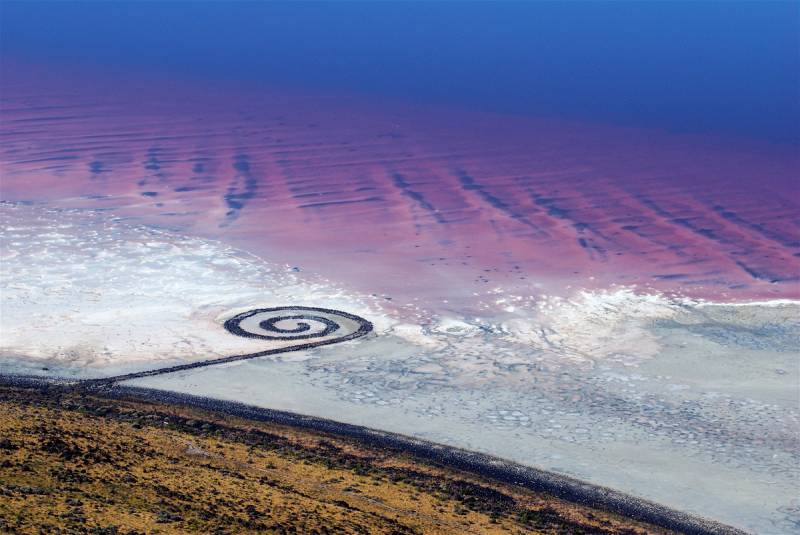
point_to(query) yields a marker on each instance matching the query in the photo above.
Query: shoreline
(563, 487)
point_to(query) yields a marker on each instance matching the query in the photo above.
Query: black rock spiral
(264, 323)
(305, 323)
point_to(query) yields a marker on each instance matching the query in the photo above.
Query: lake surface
(611, 297)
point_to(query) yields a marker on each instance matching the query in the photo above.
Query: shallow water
(618, 303)
(365, 192)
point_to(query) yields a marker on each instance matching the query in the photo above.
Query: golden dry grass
(72, 463)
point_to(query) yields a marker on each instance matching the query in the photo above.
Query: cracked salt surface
(692, 404)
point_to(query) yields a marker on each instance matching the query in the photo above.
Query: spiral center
(271, 324)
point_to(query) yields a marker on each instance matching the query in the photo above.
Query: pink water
(415, 203)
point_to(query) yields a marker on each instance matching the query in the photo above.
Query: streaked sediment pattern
(365, 194)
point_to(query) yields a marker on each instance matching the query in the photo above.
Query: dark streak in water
(760, 274)
(96, 168)
(685, 222)
(733, 249)
(152, 163)
(316, 194)
(335, 203)
(184, 189)
(241, 189)
(400, 183)
(468, 184)
(49, 119)
(581, 227)
(760, 229)
(671, 276)
(68, 157)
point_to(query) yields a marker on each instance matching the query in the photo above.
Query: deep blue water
(720, 67)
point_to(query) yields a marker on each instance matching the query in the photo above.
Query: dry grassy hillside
(72, 463)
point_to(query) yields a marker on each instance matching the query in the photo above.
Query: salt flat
(88, 296)
(698, 427)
